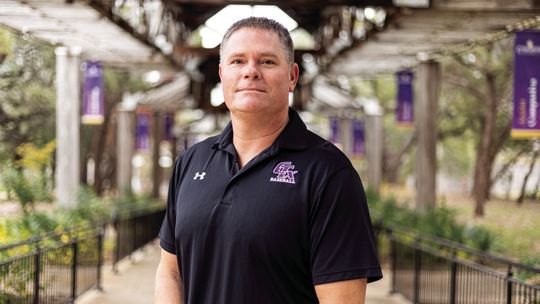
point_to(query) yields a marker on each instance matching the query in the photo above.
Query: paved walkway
(134, 283)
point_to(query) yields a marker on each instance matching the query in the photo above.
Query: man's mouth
(251, 90)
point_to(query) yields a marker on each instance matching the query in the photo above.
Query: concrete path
(134, 283)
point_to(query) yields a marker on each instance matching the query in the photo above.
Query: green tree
(27, 94)
(481, 104)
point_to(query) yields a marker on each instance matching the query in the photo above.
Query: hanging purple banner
(93, 94)
(525, 122)
(334, 130)
(358, 137)
(143, 131)
(168, 128)
(404, 100)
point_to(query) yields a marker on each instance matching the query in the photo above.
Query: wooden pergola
(351, 39)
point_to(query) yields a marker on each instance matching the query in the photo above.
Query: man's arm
(342, 292)
(168, 287)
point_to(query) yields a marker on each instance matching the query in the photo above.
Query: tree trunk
(99, 153)
(392, 161)
(485, 155)
(526, 179)
(537, 188)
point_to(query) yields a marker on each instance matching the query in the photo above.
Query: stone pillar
(68, 100)
(125, 149)
(374, 150)
(425, 113)
(156, 141)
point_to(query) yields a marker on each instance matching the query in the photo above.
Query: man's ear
(294, 74)
(219, 71)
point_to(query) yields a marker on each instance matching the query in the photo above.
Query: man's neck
(251, 135)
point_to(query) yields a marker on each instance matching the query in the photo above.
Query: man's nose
(251, 71)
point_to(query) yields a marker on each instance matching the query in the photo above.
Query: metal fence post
(133, 237)
(453, 278)
(100, 256)
(37, 265)
(417, 269)
(74, 247)
(393, 257)
(509, 276)
(117, 247)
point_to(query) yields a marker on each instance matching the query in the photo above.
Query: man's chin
(249, 107)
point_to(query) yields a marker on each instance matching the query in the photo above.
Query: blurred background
(435, 103)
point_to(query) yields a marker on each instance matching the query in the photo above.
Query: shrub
(480, 238)
(439, 222)
(15, 181)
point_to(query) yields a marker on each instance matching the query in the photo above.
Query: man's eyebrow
(264, 54)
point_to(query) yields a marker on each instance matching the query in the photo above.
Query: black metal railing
(55, 268)
(134, 229)
(432, 270)
(58, 267)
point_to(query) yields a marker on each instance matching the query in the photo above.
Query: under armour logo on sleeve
(199, 176)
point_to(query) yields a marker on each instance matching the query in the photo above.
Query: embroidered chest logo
(284, 173)
(199, 176)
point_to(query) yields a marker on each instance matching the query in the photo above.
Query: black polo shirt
(292, 217)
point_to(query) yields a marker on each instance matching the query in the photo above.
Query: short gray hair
(265, 24)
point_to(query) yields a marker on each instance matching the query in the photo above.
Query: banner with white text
(358, 137)
(93, 94)
(404, 99)
(334, 130)
(143, 132)
(525, 122)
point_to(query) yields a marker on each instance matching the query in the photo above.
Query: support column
(156, 141)
(68, 102)
(374, 150)
(425, 113)
(345, 137)
(125, 149)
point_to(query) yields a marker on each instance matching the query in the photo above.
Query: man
(266, 212)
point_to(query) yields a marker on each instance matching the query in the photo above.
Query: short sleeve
(166, 233)
(342, 245)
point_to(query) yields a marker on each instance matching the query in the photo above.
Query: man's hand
(342, 292)
(168, 287)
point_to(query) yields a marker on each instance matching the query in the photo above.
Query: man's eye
(236, 61)
(267, 62)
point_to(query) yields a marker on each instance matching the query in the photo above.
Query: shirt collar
(293, 136)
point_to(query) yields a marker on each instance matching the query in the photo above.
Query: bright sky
(214, 29)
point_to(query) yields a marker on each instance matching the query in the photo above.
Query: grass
(517, 227)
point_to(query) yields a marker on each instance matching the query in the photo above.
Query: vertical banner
(525, 122)
(93, 94)
(168, 127)
(334, 130)
(358, 137)
(143, 131)
(404, 99)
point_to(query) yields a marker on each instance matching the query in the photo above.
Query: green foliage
(35, 158)
(439, 222)
(15, 181)
(480, 238)
(530, 277)
(91, 211)
(27, 94)
(6, 40)
(28, 178)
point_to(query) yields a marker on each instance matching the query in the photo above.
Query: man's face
(254, 72)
